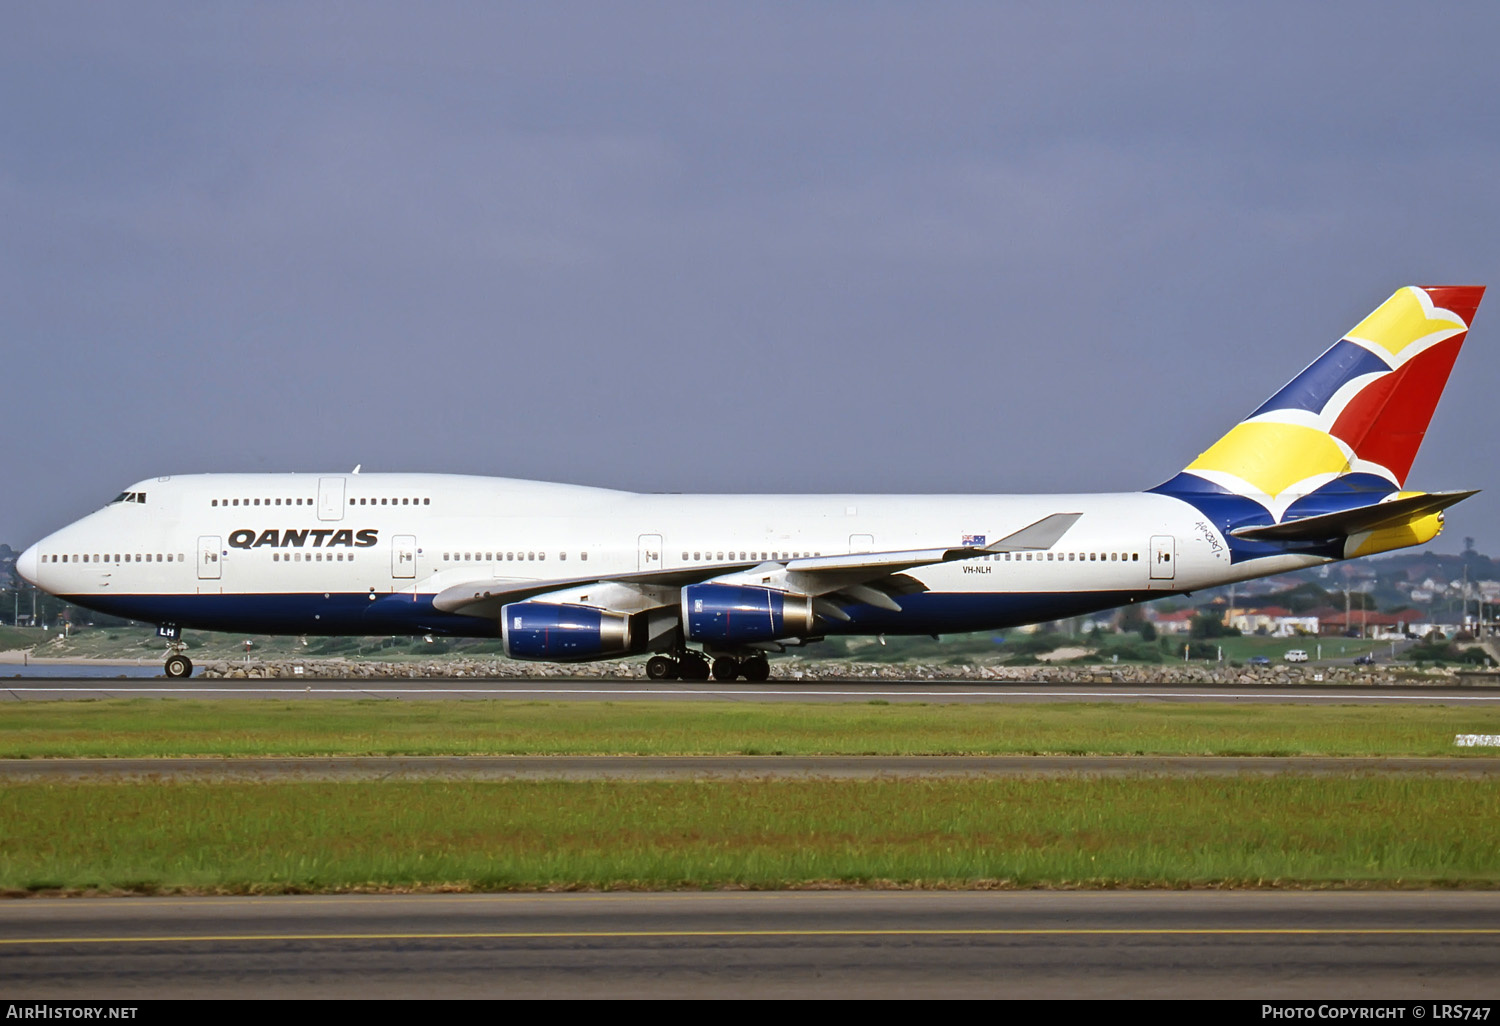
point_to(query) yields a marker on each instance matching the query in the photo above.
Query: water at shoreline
(14, 670)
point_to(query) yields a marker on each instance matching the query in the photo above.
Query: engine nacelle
(732, 613)
(563, 633)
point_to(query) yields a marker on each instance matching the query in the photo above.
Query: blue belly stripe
(356, 614)
(335, 613)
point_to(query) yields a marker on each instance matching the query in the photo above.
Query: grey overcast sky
(935, 247)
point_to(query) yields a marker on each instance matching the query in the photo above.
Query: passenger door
(649, 556)
(404, 555)
(330, 498)
(1163, 557)
(209, 548)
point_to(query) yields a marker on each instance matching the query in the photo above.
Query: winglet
(1043, 534)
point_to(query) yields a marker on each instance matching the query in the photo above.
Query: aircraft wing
(814, 575)
(1039, 536)
(485, 597)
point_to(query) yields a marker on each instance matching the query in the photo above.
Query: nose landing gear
(178, 665)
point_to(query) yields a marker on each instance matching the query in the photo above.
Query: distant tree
(1208, 625)
(1305, 596)
(1031, 644)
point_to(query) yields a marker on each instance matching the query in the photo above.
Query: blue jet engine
(729, 613)
(563, 633)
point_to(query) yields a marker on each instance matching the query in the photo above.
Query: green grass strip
(156, 727)
(1142, 832)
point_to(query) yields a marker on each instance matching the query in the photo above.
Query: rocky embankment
(499, 669)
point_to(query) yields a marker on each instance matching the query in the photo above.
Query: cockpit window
(128, 497)
(122, 497)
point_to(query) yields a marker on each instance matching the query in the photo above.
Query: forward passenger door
(209, 548)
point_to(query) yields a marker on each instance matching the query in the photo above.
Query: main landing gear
(689, 666)
(692, 666)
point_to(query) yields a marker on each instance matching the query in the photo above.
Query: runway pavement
(1442, 946)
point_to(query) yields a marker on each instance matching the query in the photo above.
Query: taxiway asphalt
(1261, 945)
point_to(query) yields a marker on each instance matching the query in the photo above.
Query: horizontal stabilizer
(1352, 521)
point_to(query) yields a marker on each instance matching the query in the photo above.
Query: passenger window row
(96, 557)
(259, 502)
(311, 557)
(503, 557)
(407, 501)
(719, 557)
(1069, 557)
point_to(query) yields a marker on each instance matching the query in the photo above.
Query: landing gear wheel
(179, 666)
(693, 667)
(756, 669)
(661, 668)
(726, 669)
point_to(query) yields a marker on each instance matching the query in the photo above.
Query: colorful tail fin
(1352, 421)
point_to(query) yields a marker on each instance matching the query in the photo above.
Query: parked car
(1296, 655)
(1259, 660)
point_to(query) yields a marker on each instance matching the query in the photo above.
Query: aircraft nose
(26, 564)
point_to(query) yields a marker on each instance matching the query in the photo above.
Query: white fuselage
(366, 553)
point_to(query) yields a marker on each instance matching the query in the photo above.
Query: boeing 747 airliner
(713, 583)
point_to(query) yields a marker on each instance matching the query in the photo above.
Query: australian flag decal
(973, 539)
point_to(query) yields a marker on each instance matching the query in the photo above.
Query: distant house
(1273, 620)
(1180, 622)
(1281, 623)
(1368, 623)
